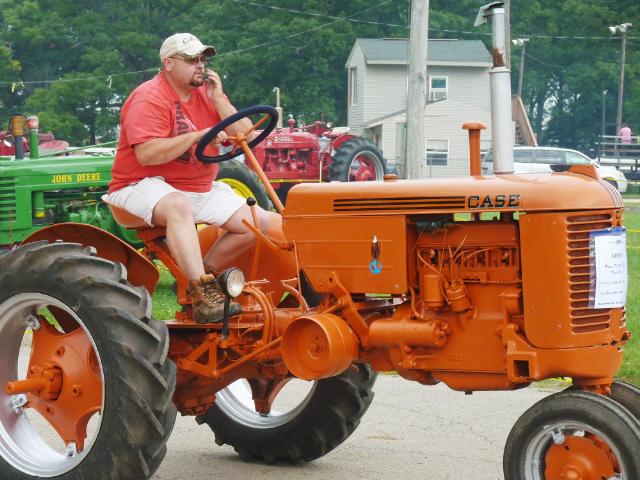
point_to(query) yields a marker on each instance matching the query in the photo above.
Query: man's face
(187, 71)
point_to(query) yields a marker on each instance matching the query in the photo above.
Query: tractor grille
(400, 203)
(7, 199)
(583, 318)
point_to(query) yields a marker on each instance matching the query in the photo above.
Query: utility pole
(520, 42)
(621, 88)
(603, 124)
(623, 28)
(416, 166)
(604, 118)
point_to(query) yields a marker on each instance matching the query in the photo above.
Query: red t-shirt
(154, 110)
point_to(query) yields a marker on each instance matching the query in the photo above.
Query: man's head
(184, 58)
(186, 45)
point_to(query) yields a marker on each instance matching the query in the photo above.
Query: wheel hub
(579, 458)
(63, 382)
(363, 168)
(265, 391)
(44, 382)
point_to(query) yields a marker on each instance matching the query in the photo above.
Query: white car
(540, 159)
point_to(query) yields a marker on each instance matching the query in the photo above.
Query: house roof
(439, 52)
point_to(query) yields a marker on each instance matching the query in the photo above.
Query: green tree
(100, 50)
(565, 75)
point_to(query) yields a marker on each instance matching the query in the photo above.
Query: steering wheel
(270, 114)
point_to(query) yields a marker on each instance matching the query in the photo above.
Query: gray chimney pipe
(500, 82)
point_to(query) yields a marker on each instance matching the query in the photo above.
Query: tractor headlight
(231, 282)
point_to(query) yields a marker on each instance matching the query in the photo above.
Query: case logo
(493, 201)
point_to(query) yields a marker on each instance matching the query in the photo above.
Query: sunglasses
(192, 60)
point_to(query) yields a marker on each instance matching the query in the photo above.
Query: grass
(164, 298)
(165, 306)
(631, 367)
(633, 191)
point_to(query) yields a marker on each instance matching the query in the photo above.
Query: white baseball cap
(185, 44)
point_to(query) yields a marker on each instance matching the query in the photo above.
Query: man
(625, 134)
(157, 177)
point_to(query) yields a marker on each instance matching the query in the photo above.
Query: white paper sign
(610, 250)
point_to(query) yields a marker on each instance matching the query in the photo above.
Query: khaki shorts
(214, 207)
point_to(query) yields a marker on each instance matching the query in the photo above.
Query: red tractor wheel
(357, 160)
(86, 386)
(574, 434)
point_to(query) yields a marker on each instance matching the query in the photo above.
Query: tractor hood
(516, 193)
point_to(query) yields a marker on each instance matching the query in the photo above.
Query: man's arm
(163, 150)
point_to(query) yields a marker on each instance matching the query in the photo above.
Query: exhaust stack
(500, 81)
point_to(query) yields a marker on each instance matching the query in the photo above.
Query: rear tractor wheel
(574, 435)
(322, 416)
(85, 384)
(357, 160)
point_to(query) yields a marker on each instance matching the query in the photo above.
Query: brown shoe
(208, 300)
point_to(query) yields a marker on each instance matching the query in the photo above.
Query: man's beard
(195, 82)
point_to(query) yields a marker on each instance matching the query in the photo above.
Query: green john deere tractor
(46, 187)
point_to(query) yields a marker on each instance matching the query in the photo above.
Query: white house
(458, 84)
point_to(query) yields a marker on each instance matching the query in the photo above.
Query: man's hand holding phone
(214, 85)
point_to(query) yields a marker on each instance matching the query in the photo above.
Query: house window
(438, 88)
(437, 152)
(353, 86)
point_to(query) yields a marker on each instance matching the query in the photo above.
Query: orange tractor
(483, 283)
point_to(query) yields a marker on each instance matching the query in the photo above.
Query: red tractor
(14, 140)
(307, 153)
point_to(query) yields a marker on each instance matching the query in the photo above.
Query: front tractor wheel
(322, 416)
(357, 160)
(574, 435)
(85, 384)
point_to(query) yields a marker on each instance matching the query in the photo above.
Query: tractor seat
(126, 219)
(129, 220)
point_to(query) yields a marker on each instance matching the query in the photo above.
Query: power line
(567, 37)
(339, 19)
(349, 18)
(19, 83)
(445, 30)
(321, 15)
(560, 67)
(108, 78)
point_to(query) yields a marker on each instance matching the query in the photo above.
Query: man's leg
(175, 212)
(160, 204)
(238, 238)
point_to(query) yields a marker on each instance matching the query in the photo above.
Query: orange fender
(141, 271)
